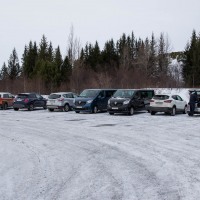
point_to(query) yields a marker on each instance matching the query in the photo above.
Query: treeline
(191, 62)
(127, 63)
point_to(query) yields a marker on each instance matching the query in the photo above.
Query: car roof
(61, 92)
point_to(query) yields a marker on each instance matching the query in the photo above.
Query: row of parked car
(126, 101)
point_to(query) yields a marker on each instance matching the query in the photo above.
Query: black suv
(29, 101)
(129, 100)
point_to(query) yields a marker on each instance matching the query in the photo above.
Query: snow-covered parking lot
(57, 155)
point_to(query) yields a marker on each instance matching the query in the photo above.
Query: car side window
(109, 94)
(68, 95)
(101, 94)
(179, 98)
(75, 95)
(5, 96)
(174, 97)
(32, 96)
(38, 96)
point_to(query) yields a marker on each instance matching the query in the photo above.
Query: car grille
(116, 104)
(80, 103)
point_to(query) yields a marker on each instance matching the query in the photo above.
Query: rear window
(161, 97)
(22, 96)
(54, 96)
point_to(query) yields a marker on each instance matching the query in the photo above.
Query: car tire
(66, 108)
(185, 110)
(95, 110)
(153, 112)
(111, 113)
(131, 111)
(173, 112)
(31, 107)
(5, 106)
(45, 107)
(16, 109)
(77, 111)
(50, 109)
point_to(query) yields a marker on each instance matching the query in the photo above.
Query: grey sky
(25, 20)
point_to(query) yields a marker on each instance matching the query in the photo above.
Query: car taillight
(60, 99)
(26, 100)
(168, 101)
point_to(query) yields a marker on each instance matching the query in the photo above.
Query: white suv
(167, 103)
(61, 100)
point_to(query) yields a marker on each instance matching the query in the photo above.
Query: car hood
(82, 99)
(119, 99)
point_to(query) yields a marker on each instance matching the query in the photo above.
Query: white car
(61, 100)
(167, 103)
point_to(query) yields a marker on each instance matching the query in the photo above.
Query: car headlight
(126, 102)
(89, 101)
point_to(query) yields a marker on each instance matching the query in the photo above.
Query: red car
(6, 100)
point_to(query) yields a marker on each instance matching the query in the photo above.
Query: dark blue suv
(93, 100)
(29, 101)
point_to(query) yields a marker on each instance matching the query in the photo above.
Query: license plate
(115, 108)
(159, 102)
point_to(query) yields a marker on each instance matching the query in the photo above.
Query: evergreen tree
(152, 64)
(66, 70)
(191, 66)
(13, 66)
(4, 72)
(57, 63)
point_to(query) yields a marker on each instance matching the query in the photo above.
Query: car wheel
(95, 110)
(45, 107)
(185, 110)
(31, 107)
(131, 111)
(153, 112)
(173, 112)
(66, 107)
(16, 109)
(50, 109)
(5, 106)
(111, 113)
(77, 111)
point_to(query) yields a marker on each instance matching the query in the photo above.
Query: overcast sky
(25, 20)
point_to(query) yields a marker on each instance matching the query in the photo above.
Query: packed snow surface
(68, 156)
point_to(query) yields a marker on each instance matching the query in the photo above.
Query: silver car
(61, 100)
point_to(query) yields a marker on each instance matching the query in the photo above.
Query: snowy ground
(68, 156)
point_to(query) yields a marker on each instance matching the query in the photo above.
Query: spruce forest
(128, 62)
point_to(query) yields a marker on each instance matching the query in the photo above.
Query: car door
(181, 102)
(177, 102)
(138, 101)
(39, 101)
(101, 101)
(69, 98)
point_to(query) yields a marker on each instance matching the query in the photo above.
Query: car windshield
(124, 93)
(161, 97)
(89, 93)
(54, 96)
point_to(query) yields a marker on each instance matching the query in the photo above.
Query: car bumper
(122, 109)
(85, 108)
(20, 106)
(55, 106)
(159, 109)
